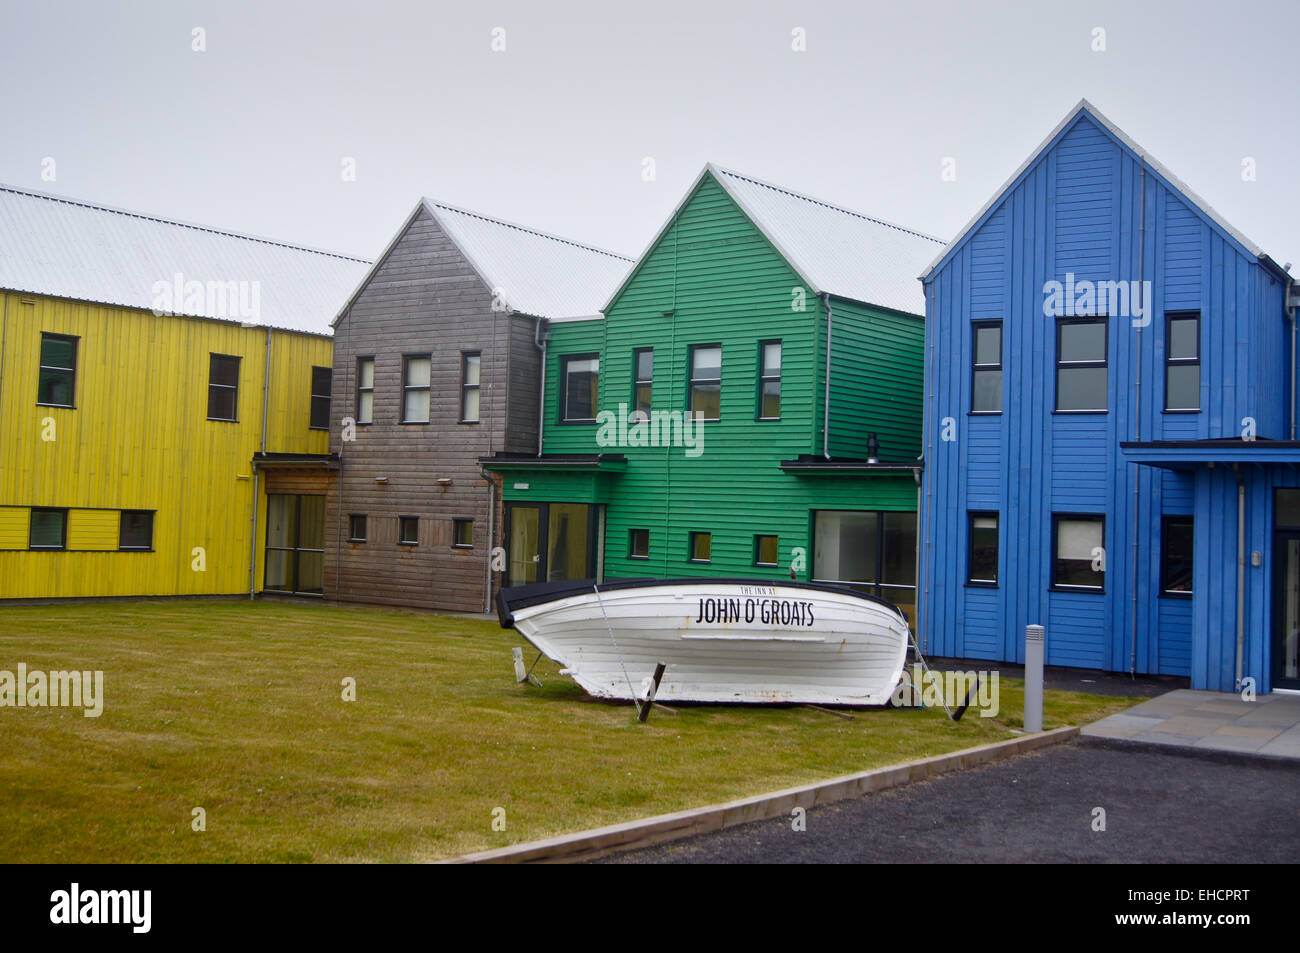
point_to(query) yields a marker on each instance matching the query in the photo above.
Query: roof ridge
(825, 204)
(524, 228)
(98, 207)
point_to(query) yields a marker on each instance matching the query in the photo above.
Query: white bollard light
(1035, 647)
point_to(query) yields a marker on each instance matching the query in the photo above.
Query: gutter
(826, 409)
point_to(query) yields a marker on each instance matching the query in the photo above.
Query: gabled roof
(65, 248)
(834, 250)
(538, 274)
(1152, 164)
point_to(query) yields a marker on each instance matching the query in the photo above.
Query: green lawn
(236, 707)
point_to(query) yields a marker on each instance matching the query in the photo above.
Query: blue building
(1110, 428)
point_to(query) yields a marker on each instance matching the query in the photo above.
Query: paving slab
(1269, 725)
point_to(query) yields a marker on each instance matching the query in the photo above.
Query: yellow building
(164, 392)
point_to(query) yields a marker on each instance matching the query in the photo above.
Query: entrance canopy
(1187, 455)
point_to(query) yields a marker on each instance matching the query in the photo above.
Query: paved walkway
(1218, 721)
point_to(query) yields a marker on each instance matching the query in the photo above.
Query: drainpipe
(1137, 421)
(539, 341)
(257, 474)
(1241, 573)
(492, 512)
(826, 409)
(1290, 283)
(927, 455)
(4, 332)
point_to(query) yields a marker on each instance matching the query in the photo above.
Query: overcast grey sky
(251, 133)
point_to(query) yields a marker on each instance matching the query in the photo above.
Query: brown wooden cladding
(424, 298)
(313, 481)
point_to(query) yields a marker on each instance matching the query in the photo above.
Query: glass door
(1286, 612)
(523, 529)
(550, 542)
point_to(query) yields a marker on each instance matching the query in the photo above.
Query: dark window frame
(565, 360)
(758, 537)
(1165, 520)
(401, 525)
(407, 387)
(971, 516)
(295, 549)
(977, 368)
(690, 547)
(878, 586)
(362, 389)
(122, 514)
(631, 543)
(638, 381)
(63, 536)
(213, 356)
(456, 524)
(1082, 517)
(71, 372)
(465, 387)
(1061, 322)
(764, 378)
(352, 526)
(692, 380)
(317, 396)
(1172, 362)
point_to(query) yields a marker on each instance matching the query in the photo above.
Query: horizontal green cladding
(876, 381)
(557, 486)
(712, 278)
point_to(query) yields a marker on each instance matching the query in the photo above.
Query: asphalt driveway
(1161, 805)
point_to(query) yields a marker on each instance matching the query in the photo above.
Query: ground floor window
(550, 542)
(1176, 556)
(982, 560)
(1080, 552)
(872, 551)
(295, 543)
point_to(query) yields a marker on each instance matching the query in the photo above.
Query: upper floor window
(223, 386)
(1080, 561)
(365, 390)
(1081, 378)
(706, 381)
(1183, 361)
(986, 367)
(58, 371)
(416, 381)
(580, 387)
(769, 380)
(643, 367)
(470, 369)
(321, 378)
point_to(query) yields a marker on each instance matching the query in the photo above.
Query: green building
(748, 405)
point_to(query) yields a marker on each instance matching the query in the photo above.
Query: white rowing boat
(723, 640)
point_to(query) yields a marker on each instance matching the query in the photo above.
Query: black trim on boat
(521, 597)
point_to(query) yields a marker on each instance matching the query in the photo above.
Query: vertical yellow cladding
(138, 438)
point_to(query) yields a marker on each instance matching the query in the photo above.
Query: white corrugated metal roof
(538, 274)
(66, 248)
(837, 251)
(1084, 106)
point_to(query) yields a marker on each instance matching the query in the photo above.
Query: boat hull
(721, 640)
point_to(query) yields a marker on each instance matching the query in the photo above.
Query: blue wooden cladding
(1092, 228)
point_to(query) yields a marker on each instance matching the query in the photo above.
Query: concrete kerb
(588, 845)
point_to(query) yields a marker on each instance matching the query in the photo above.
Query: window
(365, 390)
(639, 544)
(1080, 561)
(49, 529)
(873, 552)
(321, 378)
(223, 386)
(357, 528)
(982, 559)
(1176, 559)
(701, 547)
(986, 367)
(58, 371)
(135, 530)
(416, 380)
(408, 530)
(769, 380)
(766, 550)
(643, 367)
(470, 366)
(1183, 361)
(463, 534)
(1081, 365)
(706, 381)
(580, 388)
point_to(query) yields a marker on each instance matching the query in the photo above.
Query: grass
(236, 707)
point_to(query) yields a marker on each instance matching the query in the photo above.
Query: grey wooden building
(436, 364)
